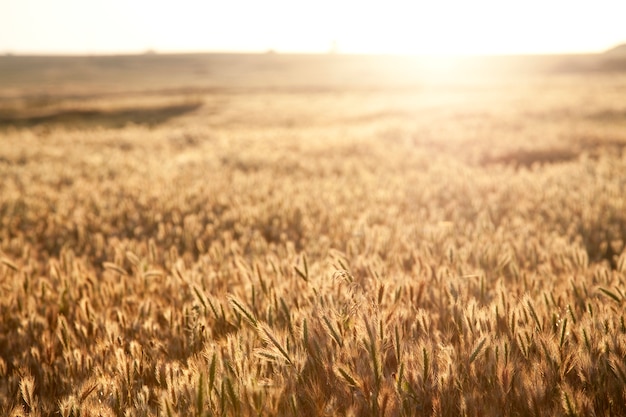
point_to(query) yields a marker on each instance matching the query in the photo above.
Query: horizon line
(271, 51)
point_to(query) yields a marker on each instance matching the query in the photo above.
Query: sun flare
(455, 28)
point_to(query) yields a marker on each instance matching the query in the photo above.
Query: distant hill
(617, 50)
(614, 59)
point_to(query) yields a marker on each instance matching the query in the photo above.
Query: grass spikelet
(268, 336)
(212, 371)
(87, 391)
(372, 349)
(571, 313)
(396, 344)
(305, 333)
(568, 406)
(334, 333)
(533, 313)
(611, 295)
(232, 395)
(347, 377)
(586, 339)
(477, 350)
(304, 274)
(563, 330)
(239, 306)
(400, 378)
(115, 268)
(301, 274)
(426, 363)
(152, 273)
(9, 264)
(133, 259)
(200, 296)
(27, 389)
(200, 395)
(618, 369)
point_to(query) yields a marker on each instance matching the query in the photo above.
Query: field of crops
(309, 236)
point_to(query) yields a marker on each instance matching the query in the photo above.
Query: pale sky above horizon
(391, 26)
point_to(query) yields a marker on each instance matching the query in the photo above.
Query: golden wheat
(363, 253)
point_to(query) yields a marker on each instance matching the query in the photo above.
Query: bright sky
(389, 26)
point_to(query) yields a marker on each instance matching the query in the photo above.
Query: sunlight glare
(445, 28)
(480, 27)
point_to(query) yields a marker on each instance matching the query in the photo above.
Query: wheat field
(246, 239)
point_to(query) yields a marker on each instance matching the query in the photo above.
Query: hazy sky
(390, 26)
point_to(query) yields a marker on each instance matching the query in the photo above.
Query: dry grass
(321, 253)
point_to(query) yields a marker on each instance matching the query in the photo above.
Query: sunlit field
(259, 235)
